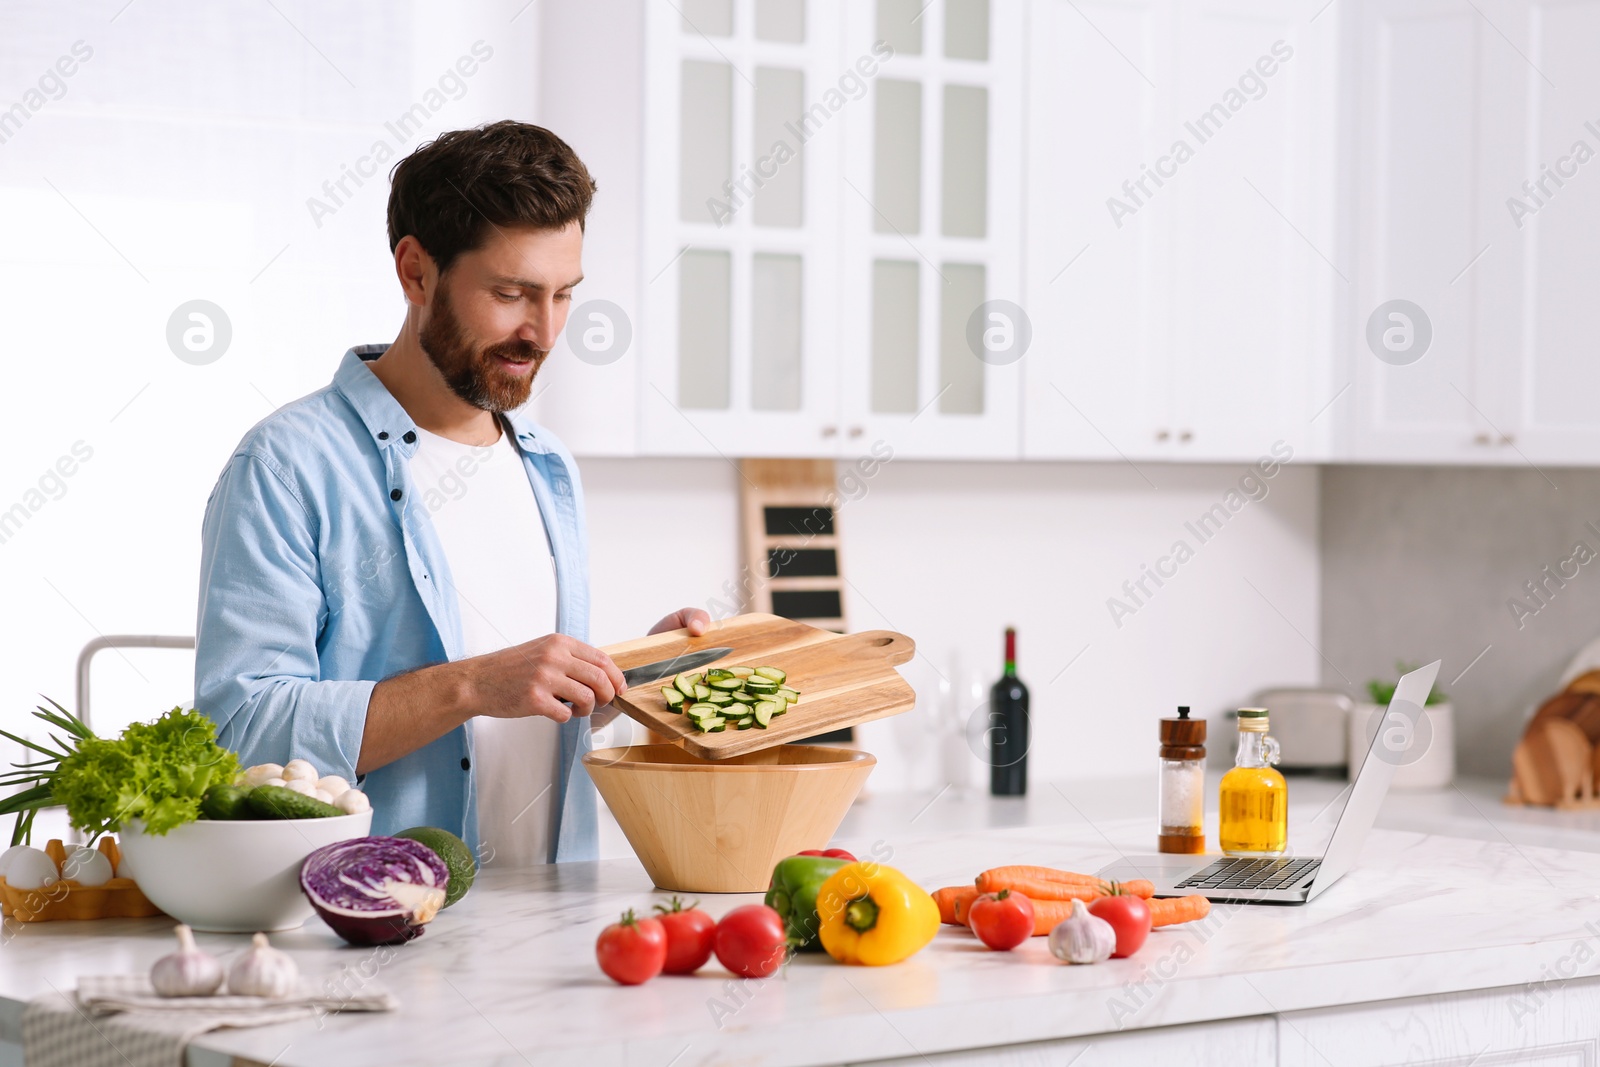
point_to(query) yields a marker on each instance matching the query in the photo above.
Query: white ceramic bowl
(232, 877)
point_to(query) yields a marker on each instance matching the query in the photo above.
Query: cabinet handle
(830, 431)
(1186, 436)
(1482, 439)
(856, 431)
(1162, 435)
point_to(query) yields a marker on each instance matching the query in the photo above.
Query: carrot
(1168, 911)
(953, 901)
(1036, 890)
(1003, 876)
(1048, 913)
(1045, 883)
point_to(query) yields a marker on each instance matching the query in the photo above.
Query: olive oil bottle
(1254, 805)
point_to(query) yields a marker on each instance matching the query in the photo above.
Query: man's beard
(476, 376)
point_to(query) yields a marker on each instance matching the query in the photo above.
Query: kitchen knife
(667, 668)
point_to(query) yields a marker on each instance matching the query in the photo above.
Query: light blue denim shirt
(321, 575)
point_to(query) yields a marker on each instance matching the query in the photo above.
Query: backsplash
(1458, 563)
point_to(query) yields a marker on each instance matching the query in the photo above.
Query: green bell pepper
(793, 895)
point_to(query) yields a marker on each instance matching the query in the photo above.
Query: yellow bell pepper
(874, 915)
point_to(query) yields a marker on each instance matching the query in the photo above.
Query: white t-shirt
(488, 522)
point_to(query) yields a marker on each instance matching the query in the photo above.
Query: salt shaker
(1183, 784)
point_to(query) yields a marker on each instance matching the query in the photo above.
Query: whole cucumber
(226, 802)
(277, 802)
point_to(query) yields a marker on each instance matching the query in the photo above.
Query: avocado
(277, 802)
(226, 802)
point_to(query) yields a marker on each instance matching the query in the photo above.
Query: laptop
(1290, 879)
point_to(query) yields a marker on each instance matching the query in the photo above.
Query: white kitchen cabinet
(930, 219)
(1181, 231)
(1245, 1042)
(1545, 1023)
(803, 224)
(1465, 103)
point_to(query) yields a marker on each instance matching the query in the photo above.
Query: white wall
(950, 553)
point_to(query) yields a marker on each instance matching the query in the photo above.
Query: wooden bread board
(843, 679)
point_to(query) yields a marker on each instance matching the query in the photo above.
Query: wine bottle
(1008, 728)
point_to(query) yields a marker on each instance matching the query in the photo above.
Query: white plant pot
(1431, 763)
(232, 877)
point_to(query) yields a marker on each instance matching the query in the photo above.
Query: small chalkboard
(791, 545)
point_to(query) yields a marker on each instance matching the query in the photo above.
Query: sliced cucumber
(728, 684)
(721, 700)
(701, 691)
(674, 698)
(714, 725)
(755, 684)
(684, 684)
(791, 695)
(746, 722)
(772, 673)
(765, 711)
(745, 698)
(741, 672)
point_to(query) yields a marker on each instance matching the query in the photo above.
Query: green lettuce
(155, 772)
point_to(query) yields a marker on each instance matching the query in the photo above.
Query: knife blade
(667, 668)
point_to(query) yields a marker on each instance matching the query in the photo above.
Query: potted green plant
(1429, 762)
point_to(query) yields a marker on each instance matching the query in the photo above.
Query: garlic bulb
(30, 868)
(352, 802)
(1082, 938)
(263, 971)
(188, 972)
(86, 866)
(300, 769)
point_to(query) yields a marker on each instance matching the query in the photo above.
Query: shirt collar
(387, 421)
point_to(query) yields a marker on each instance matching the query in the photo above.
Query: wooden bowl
(701, 827)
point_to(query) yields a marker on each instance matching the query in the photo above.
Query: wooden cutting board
(843, 679)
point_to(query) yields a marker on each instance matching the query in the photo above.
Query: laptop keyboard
(1242, 873)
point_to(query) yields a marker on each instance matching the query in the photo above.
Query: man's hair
(450, 192)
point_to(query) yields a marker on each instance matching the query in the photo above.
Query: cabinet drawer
(1239, 1042)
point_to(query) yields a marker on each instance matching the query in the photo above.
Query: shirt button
(410, 437)
(383, 435)
(394, 494)
(466, 764)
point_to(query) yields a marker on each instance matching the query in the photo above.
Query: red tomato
(1129, 917)
(690, 932)
(1001, 920)
(632, 950)
(750, 941)
(831, 853)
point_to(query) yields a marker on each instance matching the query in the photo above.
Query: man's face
(497, 312)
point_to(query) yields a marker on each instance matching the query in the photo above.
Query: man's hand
(534, 678)
(696, 620)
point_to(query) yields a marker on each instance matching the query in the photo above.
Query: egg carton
(118, 898)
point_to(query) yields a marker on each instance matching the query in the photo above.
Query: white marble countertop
(508, 975)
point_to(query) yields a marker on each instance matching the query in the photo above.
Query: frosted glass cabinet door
(932, 314)
(740, 274)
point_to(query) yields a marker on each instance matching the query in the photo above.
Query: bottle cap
(1253, 720)
(1183, 737)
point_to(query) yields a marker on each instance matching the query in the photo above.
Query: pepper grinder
(1183, 784)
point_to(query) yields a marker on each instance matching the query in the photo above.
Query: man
(394, 571)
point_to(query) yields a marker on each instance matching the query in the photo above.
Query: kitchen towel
(119, 1021)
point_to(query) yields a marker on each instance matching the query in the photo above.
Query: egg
(300, 769)
(8, 854)
(86, 866)
(31, 868)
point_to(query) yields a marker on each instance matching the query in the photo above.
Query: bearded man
(394, 573)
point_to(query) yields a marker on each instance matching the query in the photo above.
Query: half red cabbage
(375, 890)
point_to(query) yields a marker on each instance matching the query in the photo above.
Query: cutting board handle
(893, 648)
